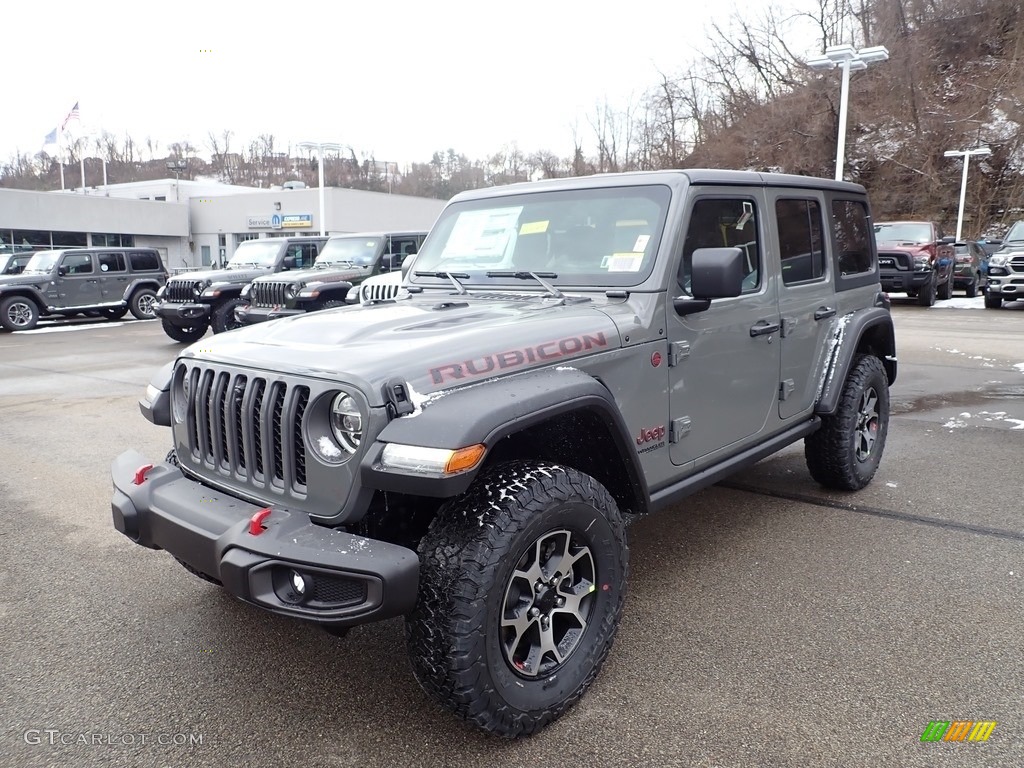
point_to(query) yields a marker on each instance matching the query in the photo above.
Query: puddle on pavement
(954, 399)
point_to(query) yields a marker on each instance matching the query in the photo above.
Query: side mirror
(948, 239)
(716, 273)
(62, 271)
(406, 266)
(289, 262)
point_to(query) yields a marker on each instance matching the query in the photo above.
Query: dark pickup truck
(915, 258)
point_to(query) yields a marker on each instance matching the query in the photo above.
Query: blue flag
(51, 138)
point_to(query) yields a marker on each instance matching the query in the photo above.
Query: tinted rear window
(144, 261)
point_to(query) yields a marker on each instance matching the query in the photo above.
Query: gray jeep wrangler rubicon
(344, 262)
(567, 354)
(196, 301)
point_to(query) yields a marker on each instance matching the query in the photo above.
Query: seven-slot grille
(248, 428)
(181, 290)
(378, 291)
(267, 293)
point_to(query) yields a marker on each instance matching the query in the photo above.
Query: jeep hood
(23, 279)
(433, 342)
(322, 275)
(222, 275)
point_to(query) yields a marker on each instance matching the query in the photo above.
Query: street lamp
(175, 166)
(849, 59)
(320, 146)
(966, 155)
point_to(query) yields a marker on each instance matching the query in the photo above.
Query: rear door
(113, 276)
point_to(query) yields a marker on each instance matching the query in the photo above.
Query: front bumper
(900, 282)
(249, 314)
(350, 579)
(184, 315)
(1010, 287)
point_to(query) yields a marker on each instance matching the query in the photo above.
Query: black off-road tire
(946, 289)
(993, 300)
(926, 295)
(18, 313)
(223, 318)
(844, 454)
(185, 335)
(141, 304)
(517, 522)
(114, 313)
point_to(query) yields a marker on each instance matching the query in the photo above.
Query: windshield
(599, 237)
(1016, 233)
(255, 253)
(903, 233)
(357, 251)
(43, 261)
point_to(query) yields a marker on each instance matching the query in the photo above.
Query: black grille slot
(180, 291)
(267, 294)
(1016, 264)
(248, 428)
(337, 590)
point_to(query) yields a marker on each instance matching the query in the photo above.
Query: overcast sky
(398, 80)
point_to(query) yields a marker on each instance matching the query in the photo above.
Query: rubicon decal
(513, 358)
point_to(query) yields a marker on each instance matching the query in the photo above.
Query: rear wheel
(223, 318)
(142, 303)
(972, 287)
(187, 334)
(993, 300)
(845, 452)
(522, 582)
(946, 289)
(18, 313)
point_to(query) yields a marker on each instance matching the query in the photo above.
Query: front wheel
(185, 335)
(946, 289)
(522, 582)
(926, 296)
(845, 452)
(223, 318)
(993, 300)
(142, 303)
(972, 287)
(18, 313)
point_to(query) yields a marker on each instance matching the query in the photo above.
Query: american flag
(72, 115)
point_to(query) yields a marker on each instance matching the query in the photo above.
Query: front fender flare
(852, 334)
(489, 412)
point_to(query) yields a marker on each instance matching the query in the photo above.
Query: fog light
(298, 584)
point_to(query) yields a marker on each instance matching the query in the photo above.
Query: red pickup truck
(916, 258)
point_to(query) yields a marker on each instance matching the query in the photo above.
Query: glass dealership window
(32, 237)
(106, 240)
(69, 239)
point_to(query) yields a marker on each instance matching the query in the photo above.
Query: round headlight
(292, 290)
(346, 422)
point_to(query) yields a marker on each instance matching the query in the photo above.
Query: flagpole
(81, 165)
(60, 158)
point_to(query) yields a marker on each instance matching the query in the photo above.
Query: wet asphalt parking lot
(768, 622)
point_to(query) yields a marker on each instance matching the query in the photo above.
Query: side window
(723, 223)
(404, 246)
(304, 254)
(111, 262)
(142, 261)
(852, 233)
(800, 240)
(77, 264)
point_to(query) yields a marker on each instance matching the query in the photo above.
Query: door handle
(822, 312)
(763, 327)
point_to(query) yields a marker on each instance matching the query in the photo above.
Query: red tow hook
(140, 474)
(256, 526)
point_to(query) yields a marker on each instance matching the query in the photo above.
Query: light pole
(849, 59)
(320, 146)
(175, 166)
(966, 155)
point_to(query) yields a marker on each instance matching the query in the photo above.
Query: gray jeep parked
(344, 262)
(196, 301)
(96, 281)
(566, 355)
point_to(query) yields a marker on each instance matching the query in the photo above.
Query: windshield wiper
(459, 287)
(538, 276)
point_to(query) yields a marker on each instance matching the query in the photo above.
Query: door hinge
(677, 352)
(678, 429)
(786, 389)
(788, 324)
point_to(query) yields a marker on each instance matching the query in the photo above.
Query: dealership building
(196, 223)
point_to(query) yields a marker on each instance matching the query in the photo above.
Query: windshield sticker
(641, 243)
(533, 228)
(625, 262)
(482, 233)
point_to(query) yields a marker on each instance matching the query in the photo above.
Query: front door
(725, 360)
(77, 281)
